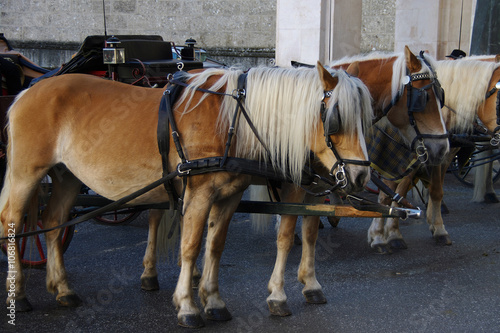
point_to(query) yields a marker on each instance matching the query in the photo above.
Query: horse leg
(197, 207)
(391, 230)
(65, 188)
(277, 298)
(19, 188)
(218, 223)
(376, 235)
(434, 217)
(307, 274)
(149, 278)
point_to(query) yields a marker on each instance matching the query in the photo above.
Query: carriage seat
(146, 50)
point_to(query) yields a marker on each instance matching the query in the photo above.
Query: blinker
(331, 120)
(418, 97)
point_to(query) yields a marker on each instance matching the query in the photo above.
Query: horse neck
(487, 112)
(376, 74)
(466, 83)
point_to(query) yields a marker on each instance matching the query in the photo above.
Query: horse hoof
(490, 198)
(334, 221)
(381, 249)
(23, 305)
(218, 314)
(278, 308)
(71, 300)
(398, 244)
(443, 240)
(191, 321)
(315, 297)
(150, 283)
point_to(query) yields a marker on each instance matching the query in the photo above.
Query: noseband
(331, 126)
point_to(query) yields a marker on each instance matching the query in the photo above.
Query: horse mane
(398, 68)
(465, 83)
(284, 105)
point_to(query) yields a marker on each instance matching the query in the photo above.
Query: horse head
(345, 111)
(416, 90)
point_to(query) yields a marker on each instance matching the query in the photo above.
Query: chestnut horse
(471, 93)
(388, 78)
(103, 133)
(483, 181)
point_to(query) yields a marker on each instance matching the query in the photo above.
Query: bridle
(331, 125)
(416, 101)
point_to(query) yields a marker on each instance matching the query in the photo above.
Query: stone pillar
(433, 25)
(308, 31)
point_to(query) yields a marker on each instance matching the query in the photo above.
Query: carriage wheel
(121, 216)
(466, 175)
(33, 249)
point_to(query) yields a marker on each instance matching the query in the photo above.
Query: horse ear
(329, 82)
(353, 69)
(497, 58)
(412, 62)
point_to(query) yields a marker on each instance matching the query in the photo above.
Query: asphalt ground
(426, 288)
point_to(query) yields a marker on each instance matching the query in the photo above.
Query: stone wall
(232, 31)
(378, 25)
(229, 28)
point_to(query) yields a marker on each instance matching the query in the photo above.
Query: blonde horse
(466, 84)
(388, 78)
(103, 133)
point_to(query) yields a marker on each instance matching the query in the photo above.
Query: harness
(495, 136)
(331, 123)
(416, 101)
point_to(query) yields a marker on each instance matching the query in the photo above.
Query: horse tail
(32, 217)
(168, 234)
(260, 222)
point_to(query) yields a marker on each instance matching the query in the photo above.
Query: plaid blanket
(389, 153)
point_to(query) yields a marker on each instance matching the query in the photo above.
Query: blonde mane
(284, 105)
(398, 68)
(465, 83)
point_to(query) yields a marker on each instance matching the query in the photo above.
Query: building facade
(246, 32)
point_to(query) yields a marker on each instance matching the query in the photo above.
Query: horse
(483, 182)
(388, 77)
(84, 129)
(464, 103)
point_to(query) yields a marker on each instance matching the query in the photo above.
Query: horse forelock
(465, 83)
(354, 102)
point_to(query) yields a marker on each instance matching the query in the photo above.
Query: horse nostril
(361, 180)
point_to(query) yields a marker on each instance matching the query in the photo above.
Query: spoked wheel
(466, 175)
(121, 216)
(34, 249)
